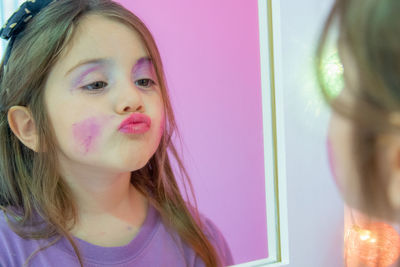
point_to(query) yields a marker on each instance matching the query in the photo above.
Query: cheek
(341, 161)
(85, 134)
(162, 126)
(332, 162)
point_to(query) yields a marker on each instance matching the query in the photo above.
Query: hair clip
(18, 20)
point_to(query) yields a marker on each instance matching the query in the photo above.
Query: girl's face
(339, 140)
(342, 157)
(339, 146)
(101, 78)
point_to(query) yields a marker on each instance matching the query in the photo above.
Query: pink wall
(210, 50)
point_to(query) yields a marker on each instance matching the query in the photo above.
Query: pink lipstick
(137, 123)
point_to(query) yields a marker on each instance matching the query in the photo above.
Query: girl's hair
(30, 182)
(368, 34)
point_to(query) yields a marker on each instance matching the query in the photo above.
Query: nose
(129, 97)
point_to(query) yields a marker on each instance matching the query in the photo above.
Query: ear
(23, 126)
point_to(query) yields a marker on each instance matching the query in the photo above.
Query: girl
(85, 126)
(364, 137)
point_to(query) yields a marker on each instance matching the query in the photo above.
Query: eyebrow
(103, 61)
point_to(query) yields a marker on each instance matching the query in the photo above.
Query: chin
(141, 164)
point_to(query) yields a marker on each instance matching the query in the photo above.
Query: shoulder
(6, 237)
(214, 234)
(14, 249)
(5, 231)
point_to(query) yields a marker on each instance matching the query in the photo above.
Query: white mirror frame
(273, 132)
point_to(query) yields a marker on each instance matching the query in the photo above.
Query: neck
(99, 194)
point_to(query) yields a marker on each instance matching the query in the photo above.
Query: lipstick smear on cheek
(85, 134)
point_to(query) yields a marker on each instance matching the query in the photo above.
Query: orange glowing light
(377, 245)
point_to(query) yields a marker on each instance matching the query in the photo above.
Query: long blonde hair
(30, 182)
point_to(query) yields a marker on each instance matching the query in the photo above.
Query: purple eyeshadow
(144, 67)
(79, 79)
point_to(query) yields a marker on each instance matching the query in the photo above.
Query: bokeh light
(332, 73)
(375, 245)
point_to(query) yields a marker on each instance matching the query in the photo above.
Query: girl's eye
(99, 85)
(95, 86)
(145, 82)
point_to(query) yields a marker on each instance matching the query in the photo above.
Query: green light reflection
(332, 73)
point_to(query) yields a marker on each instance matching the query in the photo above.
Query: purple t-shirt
(152, 246)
